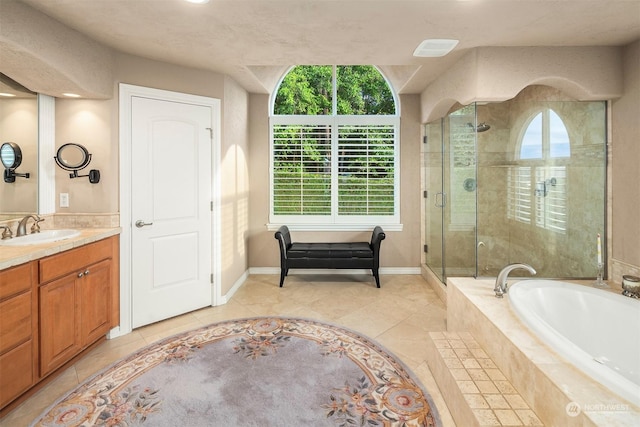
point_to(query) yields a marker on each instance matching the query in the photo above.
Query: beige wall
(625, 169)
(400, 249)
(88, 123)
(19, 124)
(262, 252)
(234, 182)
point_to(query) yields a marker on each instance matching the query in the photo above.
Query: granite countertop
(15, 255)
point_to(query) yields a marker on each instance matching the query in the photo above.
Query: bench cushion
(330, 250)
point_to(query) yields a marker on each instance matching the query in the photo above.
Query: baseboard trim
(238, 283)
(317, 271)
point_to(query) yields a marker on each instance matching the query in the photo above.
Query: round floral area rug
(265, 371)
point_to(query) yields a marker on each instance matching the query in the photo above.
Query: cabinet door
(95, 301)
(59, 323)
(16, 372)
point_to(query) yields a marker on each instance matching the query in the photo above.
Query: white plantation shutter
(366, 166)
(334, 170)
(551, 209)
(520, 193)
(302, 170)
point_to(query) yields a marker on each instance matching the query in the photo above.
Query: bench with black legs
(329, 255)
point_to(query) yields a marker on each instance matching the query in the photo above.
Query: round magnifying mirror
(73, 156)
(11, 155)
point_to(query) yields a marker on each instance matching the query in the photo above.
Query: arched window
(546, 137)
(334, 149)
(538, 191)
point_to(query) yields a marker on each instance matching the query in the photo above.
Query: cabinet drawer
(15, 280)
(15, 321)
(16, 372)
(63, 263)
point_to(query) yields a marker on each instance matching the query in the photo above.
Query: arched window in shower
(537, 189)
(545, 137)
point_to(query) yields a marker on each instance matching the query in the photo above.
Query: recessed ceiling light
(197, 1)
(435, 47)
(8, 95)
(71, 95)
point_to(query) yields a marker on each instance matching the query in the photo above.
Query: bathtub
(595, 330)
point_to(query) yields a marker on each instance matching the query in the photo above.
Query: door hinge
(210, 132)
(211, 278)
(426, 249)
(211, 206)
(424, 139)
(425, 194)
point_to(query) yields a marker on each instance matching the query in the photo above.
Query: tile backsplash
(77, 220)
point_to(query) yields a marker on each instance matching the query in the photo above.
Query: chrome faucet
(22, 225)
(501, 281)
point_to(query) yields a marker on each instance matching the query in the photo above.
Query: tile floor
(399, 316)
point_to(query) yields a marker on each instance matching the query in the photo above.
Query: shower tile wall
(565, 253)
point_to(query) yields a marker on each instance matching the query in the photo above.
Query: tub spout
(501, 281)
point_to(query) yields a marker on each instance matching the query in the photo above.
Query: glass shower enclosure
(522, 180)
(450, 194)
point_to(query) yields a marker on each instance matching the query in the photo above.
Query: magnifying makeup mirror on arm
(11, 157)
(75, 157)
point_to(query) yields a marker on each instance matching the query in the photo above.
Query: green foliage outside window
(308, 90)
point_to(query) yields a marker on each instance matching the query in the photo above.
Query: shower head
(483, 127)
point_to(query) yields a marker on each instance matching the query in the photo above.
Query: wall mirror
(11, 157)
(75, 157)
(19, 124)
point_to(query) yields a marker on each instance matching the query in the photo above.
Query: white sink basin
(45, 236)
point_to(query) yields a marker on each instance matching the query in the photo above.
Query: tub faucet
(501, 281)
(22, 225)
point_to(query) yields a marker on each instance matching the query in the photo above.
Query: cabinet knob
(80, 274)
(86, 272)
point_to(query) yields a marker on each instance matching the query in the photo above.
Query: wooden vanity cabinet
(18, 331)
(53, 309)
(75, 302)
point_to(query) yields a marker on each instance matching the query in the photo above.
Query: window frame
(335, 221)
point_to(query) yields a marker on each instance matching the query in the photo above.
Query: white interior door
(171, 232)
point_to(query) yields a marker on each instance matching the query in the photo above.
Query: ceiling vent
(435, 47)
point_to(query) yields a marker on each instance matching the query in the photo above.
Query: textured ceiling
(255, 40)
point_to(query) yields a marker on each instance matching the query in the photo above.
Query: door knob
(140, 223)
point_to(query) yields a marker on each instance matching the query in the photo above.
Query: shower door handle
(443, 200)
